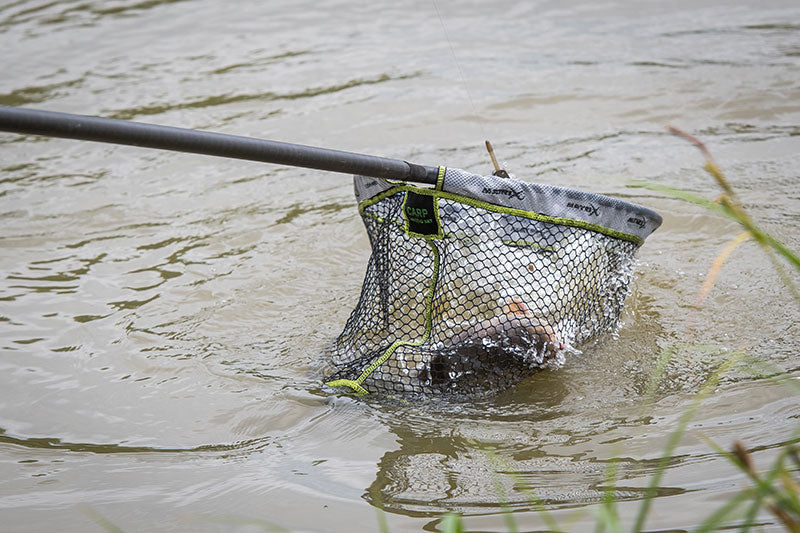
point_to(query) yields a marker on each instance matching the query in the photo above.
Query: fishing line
(460, 71)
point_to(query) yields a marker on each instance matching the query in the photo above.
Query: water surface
(163, 316)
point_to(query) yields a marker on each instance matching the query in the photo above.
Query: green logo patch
(421, 215)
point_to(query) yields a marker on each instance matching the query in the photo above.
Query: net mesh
(464, 296)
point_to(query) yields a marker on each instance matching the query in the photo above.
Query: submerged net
(481, 281)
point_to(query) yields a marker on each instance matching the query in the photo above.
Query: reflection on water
(163, 316)
(471, 453)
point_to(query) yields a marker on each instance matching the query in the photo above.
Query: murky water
(162, 315)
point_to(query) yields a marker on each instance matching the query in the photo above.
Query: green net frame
(481, 281)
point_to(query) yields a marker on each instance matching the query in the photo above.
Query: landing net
(479, 282)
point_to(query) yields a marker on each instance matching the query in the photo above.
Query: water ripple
(226, 99)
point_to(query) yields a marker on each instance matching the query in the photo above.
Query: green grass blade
(383, 526)
(607, 514)
(500, 464)
(732, 213)
(451, 523)
(609, 505)
(764, 488)
(99, 519)
(686, 196)
(676, 436)
(229, 520)
(718, 518)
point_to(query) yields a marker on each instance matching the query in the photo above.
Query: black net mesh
(492, 297)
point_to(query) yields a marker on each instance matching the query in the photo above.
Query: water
(162, 315)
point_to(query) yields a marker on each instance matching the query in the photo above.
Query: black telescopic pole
(82, 127)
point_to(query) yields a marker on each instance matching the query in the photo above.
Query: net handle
(114, 131)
